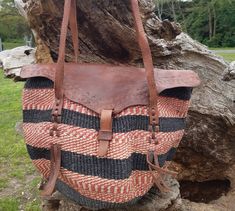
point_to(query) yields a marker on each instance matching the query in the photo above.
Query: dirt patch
(24, 190)
(11, 189)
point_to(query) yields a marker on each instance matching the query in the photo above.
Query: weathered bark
(106, 34)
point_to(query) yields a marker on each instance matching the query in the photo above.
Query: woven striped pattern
(122, 177)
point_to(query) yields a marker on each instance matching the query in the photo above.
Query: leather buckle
(105, 135)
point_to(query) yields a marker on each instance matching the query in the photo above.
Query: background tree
(13, 27)
(211, 22)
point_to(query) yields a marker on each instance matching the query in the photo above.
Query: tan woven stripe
(85, 141)
(42, 99)
(168, 107)
(103, 189)
(39, 99)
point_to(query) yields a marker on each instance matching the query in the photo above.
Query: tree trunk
(159, 7)
(106, 34)
(173, 9)
(210, 21)
(183, 15)
(215, 21)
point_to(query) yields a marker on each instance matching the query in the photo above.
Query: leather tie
(105, 133)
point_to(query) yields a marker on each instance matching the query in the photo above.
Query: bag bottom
(93, 204)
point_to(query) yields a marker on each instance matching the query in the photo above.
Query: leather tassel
(158, 172)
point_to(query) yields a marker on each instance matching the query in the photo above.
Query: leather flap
(99, 86)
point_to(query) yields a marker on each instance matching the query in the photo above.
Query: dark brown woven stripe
(101, 167)
(182, 93)
(87, 202)
(120, 125)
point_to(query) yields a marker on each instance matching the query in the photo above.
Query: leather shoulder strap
(74, 29)
(69, 11)
(148, 62)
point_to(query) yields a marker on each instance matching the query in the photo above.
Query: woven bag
(103, 135)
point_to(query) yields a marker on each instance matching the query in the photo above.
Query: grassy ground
(228, 48)
(228, 56)
(10, 45)
(18, 180)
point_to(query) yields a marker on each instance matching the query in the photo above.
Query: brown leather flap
(98, 86)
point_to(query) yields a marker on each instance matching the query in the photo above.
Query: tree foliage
(12, 25)
(211, 22)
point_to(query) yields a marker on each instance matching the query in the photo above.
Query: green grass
(10, 112)
(10, 45)
(17, 173)
(32, 206)
(224, 48)
(228, 56)
(9, 204)
(3, 182)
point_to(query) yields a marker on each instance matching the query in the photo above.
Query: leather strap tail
(48, 188)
